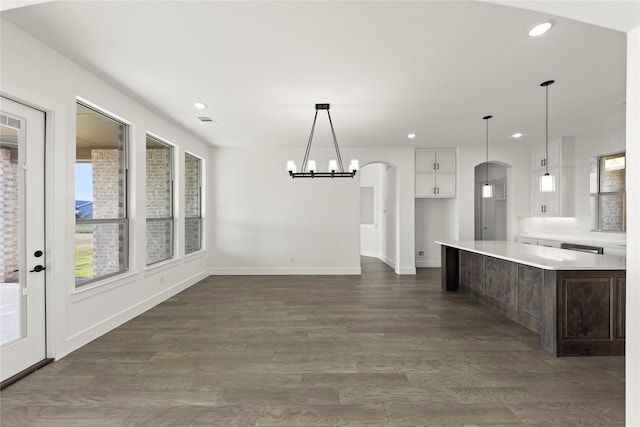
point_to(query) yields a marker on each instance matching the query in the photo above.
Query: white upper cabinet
(435, 173)
(561, 165)
(560, 154)
(435, 161)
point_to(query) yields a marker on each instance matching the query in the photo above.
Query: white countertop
(540, 256)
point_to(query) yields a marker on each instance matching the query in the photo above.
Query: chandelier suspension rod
(306, 154)
(335, 142)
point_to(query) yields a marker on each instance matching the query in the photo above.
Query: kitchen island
(574, 300)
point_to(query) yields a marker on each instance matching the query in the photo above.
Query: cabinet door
(446, 161)
(425, 185)
(538, 155)
(445, 185)
(537, 197)
(425, 161)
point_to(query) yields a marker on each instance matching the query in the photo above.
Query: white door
(22, 257)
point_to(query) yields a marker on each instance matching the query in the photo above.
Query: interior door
(22, 257)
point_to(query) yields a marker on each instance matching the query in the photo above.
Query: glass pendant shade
(487, 191)
(547, 183)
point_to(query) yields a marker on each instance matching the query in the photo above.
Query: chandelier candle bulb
(333, 165)
(312, 166)
(291, 166)
(353, 166)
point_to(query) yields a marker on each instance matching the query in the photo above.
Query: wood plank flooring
(370, 350)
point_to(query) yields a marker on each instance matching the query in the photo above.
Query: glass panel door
(22, 252)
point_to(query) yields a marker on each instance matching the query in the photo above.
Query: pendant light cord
(546, 124)
(546, 121)
(487, 163)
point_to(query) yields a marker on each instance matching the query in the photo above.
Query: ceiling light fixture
(411, 135)
(200, 105)
(517, 135)
(540, 29)
(309, 169)
(487, 189)
(547, 182)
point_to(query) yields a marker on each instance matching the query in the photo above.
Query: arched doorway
(491, 213)
(379, 212)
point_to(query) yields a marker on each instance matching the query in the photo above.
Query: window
(608, 193)
(192, 204)
(159, 180)
(101, 196)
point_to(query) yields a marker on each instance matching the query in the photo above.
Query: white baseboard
(427, 263)
(96, 330)
(387, 261)
(285, 271)
(405, 270)
(370, 254)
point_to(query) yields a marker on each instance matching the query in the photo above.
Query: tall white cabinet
(561, 165)
(435, 173)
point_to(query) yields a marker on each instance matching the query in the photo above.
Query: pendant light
(487, 189)
(547, 182)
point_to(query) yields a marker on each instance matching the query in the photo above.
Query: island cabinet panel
(587, 314)
(471, 274)
(500, 289)
(592, 307)
(529, 308)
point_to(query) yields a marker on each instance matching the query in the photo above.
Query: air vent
(206, 119)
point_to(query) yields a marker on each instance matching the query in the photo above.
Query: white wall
(37, 75)
(265, 222)
(433, 222)
(263, 218)
(633, 229)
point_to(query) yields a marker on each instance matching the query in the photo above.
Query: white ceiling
(387, 68)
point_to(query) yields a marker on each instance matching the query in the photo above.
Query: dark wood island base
(576, 312)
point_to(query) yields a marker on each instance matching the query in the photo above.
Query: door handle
(37, 269)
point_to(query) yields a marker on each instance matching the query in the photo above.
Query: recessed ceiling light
(540, 29)
(200, 105)
(411, 135)
(517, 135)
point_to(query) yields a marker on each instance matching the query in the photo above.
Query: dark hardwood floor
(375, 350)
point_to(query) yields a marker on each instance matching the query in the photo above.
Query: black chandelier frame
(340, 173)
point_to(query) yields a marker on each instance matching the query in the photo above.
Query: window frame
(199, 217)
(599, 193)
(171, 218)
(125, 220)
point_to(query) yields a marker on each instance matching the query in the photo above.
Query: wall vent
(207, 119)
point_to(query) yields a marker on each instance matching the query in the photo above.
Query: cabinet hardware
(438, 188)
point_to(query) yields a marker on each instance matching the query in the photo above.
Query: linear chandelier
(309, 168)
